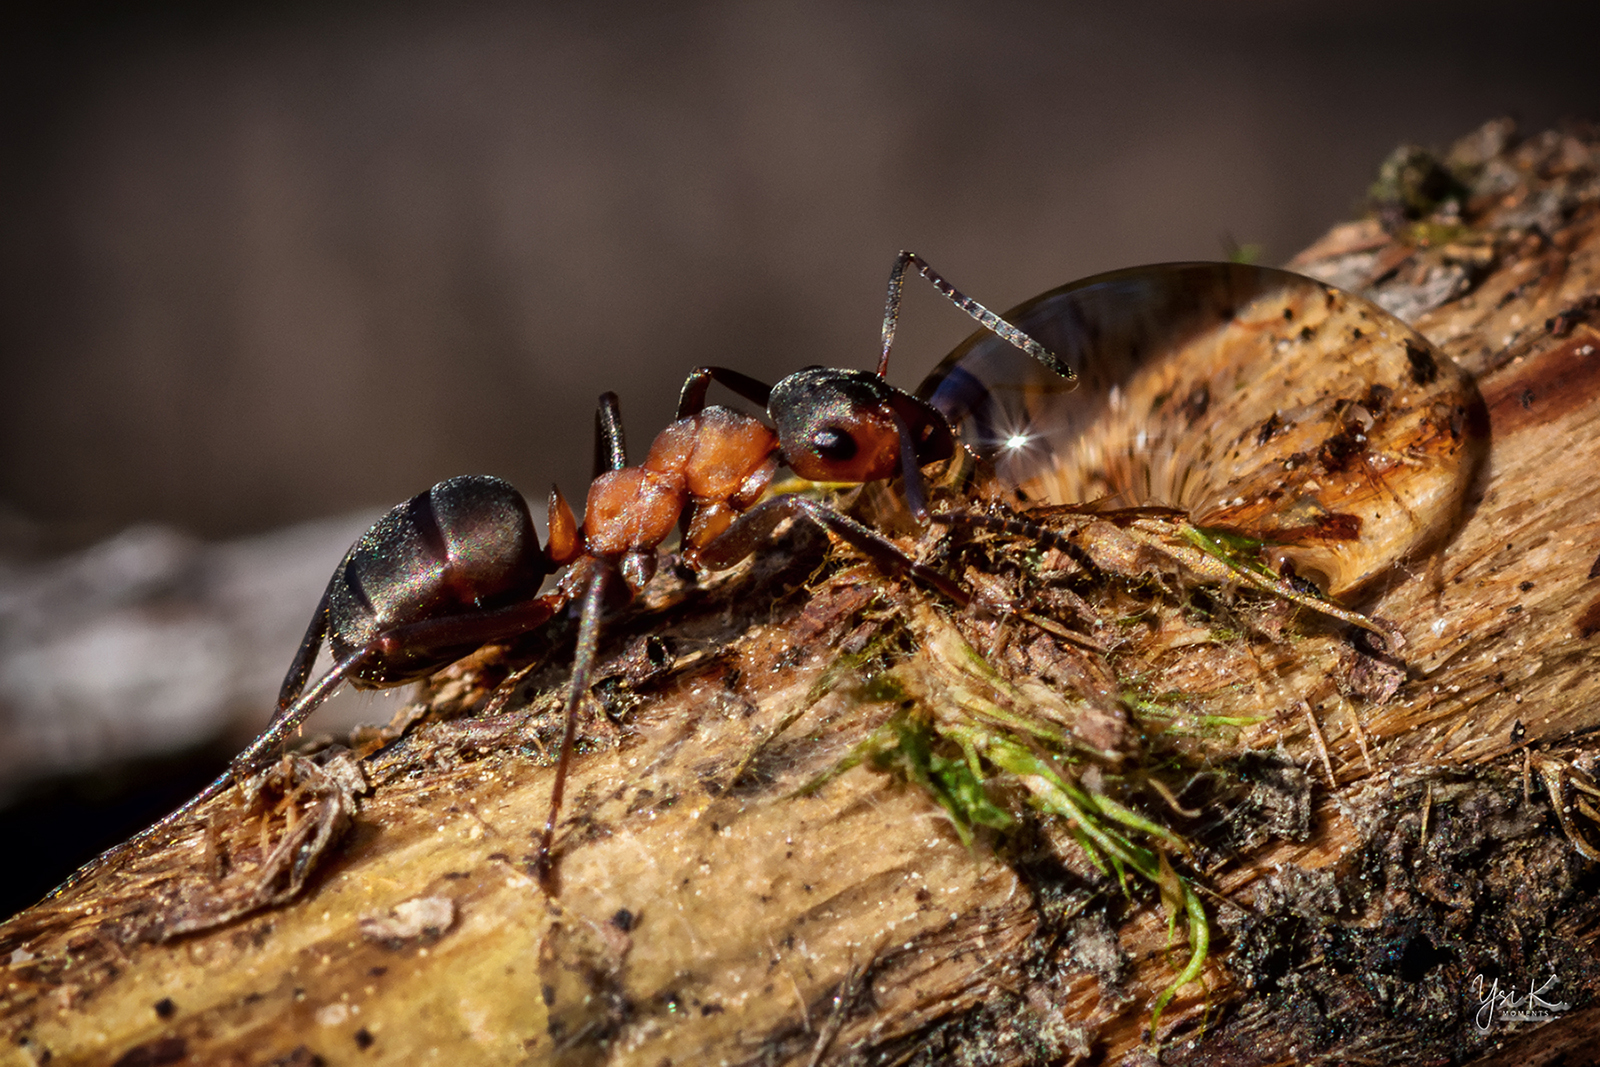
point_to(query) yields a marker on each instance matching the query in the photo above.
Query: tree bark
(767, 855)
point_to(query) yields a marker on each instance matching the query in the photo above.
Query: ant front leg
(911, 480)
(754, 528)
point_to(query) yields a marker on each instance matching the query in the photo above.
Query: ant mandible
(460, 566)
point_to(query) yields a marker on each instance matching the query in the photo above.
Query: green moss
(1433, 234)
(988, 749)
(962, 733)
(1246, 253)
(1411, 182)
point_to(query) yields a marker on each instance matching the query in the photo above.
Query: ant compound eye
(833, 444)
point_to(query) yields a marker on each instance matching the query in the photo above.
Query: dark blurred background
(265, 263)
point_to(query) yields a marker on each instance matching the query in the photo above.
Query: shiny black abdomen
(468, 544)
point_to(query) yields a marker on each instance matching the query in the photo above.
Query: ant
(460, 565)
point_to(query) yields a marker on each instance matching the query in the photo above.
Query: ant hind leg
(294, 682)
(286, 719)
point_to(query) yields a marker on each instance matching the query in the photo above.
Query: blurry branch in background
(151, 643)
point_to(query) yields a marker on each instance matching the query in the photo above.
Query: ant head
(839, 425)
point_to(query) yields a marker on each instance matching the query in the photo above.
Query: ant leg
(300, 669)
(610, 450)
(1019, 527)
(295, 705)
(474, 629)
(753, 528)
(285, 720)
(594, 578)
(916, 490)
(478, 628)
(982, 315)
(692, 400)
(594, 599)
(1209, 566)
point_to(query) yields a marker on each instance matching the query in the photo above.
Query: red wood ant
(460, 566)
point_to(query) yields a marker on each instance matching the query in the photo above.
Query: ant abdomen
(464, 547)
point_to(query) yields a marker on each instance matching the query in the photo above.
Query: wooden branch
(1368, 840)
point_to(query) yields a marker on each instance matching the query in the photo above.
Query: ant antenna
(982, 315)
